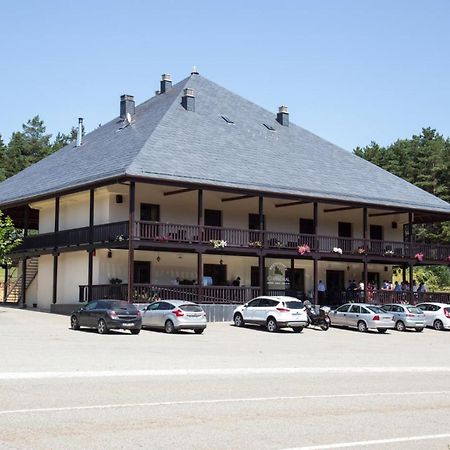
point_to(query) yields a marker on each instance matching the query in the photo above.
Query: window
(254, 303)
(164, 306)
(364, 310)
(150, 212)
(92, 305)
(414, 310)
(191, 308)
(306, 226)
(355, 309)
(153, 306)
(294, 305)
(387, 307)
(269, 127)
(227, 119)
(343, 308)
(267, 303)
(376, 309)
(423, 307)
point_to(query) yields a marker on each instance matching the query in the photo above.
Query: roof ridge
(176, 86)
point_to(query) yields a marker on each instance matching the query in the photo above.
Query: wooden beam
(179, 191)
(385, 214)
(282, 205)
(345, 208)
(239, 197)
(91, 240)
(131, 213)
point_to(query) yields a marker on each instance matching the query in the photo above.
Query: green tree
(9, 238)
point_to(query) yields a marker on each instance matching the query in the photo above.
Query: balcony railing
(158, 232)
(144, 293)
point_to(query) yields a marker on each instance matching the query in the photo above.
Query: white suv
(272, 312)
(437, 315)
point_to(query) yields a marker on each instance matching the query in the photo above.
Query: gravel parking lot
(228, 388)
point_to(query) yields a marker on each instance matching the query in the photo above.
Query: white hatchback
(437, 315)
(273, 312)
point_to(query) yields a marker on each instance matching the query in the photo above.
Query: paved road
(227, 389)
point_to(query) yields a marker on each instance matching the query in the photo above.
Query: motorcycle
(320, 319)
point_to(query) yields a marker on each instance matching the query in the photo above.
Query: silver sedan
(362, 316)
(406, 316)
(174, 315)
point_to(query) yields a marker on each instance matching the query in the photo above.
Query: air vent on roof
(227, 119)
(269, 127)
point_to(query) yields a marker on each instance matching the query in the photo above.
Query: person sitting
(236, 282)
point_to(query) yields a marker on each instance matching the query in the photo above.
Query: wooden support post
(200, 215)
(261, 218)
(316, 226)
(200, 276)
(411, 279)
(131, 210)
(315, 281)
(291, 277)
(5, 286)
(366, 278)
(55, 254)
(404, 273)
(262, 277)
(24, 261)
(91, 240)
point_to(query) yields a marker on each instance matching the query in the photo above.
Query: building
(196, 187)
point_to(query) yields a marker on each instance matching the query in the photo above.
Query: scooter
(320, 319)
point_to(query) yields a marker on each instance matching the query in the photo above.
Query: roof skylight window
(227, 119)
(269, 127)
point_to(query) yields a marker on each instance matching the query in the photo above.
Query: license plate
(128, 324)
(193, 315)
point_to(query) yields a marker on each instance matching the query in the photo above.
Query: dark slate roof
(166, 142)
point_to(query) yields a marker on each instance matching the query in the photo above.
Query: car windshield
(294, 305)
(376, 309)
(191, 308)
(121, 306)
(414, 310)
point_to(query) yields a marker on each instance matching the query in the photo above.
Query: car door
(249, 311)
(148, 315)
(353, 316)
(339, 316)
(161, 315)
(425, 307)
(263, 309)
(85, 314)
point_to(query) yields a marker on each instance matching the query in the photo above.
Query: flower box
(218, 243)
(303, 249)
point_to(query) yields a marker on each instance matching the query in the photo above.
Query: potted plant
(419, 256)
(218, 243)
(337, 250)
(303, 249)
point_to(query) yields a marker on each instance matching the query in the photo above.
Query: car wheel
(271, 325)
(136, 331)
(382, 330)
(400, 326)
(438, 325)
(199, 330)
(419, 330)
(238, 320)
(74, 324)
(297, 329)
(169, 327)
(101, 327)
(362, 326)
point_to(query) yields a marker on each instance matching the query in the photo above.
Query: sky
(350, 71)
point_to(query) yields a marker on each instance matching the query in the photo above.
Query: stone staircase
(14, 282)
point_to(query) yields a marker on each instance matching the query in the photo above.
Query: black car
(107, 315)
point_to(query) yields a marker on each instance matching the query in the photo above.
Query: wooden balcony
(149, 234)
(144, 293)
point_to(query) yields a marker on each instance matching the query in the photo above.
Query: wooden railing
(110, 232)
(148, 292)
(159, 232)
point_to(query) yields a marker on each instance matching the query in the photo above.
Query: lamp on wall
(109, 254)
(158, 258)
(221, 262)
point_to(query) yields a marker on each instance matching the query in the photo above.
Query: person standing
(321, 289)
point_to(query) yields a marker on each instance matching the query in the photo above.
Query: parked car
(272, 312)
(437, 315)
(174, 315)
(362, 316)
(406, 316)
(107, 315)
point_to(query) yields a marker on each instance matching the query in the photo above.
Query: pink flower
(302, 249)
(419, 256)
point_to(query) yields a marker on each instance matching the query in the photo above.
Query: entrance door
(142, 272)
(334, 287)
(218, 273)
(297, 282)
(149, 213)
(376, 238)
(213, 218)
(345, 231)
(253, 224)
